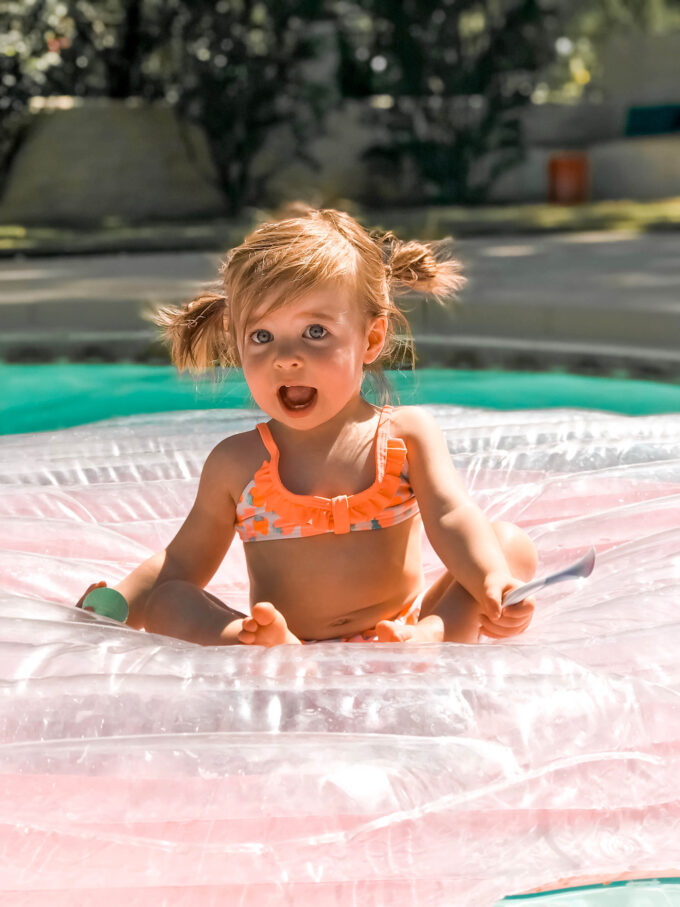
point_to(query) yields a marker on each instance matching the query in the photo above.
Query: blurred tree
(576, 70)
(240, 68)
(236, 67)
(110, 47)
(15, 88)
(449, 79)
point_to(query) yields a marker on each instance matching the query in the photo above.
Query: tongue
(298, 396)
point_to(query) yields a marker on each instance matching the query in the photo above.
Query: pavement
(595, 302)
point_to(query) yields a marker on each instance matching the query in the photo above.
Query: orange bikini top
(267, 510)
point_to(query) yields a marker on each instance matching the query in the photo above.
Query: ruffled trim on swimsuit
(314, 514)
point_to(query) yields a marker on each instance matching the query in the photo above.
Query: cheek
(341, 356)
(252, 359)
(251, 373)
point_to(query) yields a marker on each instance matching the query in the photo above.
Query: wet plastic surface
(141, 769)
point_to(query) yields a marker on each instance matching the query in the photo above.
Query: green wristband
(108, 603)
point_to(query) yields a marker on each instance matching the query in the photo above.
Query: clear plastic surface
(141, 770)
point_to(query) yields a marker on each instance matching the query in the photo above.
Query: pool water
(60, 395)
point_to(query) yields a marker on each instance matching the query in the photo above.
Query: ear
(375, 338)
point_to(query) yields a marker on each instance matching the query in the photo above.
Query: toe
(386, 631)
(264, 613)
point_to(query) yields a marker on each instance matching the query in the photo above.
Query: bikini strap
(268, 440)
(386, 411)
(381, 442)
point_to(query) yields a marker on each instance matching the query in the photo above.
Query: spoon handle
(582, 567)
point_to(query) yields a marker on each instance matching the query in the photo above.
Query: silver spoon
(582, 567)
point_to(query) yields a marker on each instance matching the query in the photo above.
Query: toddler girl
(337, 488)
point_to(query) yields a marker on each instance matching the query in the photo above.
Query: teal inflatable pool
(49, 397)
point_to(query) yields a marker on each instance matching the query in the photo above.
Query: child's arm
(199, 547)
(457, 529)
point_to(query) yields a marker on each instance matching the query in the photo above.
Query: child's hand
(496, 585)
(89, 589)
(511, 620)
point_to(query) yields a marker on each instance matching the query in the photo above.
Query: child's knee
(518, 549)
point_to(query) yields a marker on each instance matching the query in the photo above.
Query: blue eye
(316, 332)
(261, 336)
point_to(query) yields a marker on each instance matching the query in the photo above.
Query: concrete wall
(88, 165)
(636, 70)
(97, 161)
(640, 68)
(340, 174)
(620, 168)
(631, 168)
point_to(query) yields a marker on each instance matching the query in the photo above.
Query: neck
(324, 436)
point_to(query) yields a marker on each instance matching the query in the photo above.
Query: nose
(287, 356)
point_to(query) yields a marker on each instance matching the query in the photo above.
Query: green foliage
(576, 70)
(448, 80)
(236, 67)
(241, 68)
(74, 47)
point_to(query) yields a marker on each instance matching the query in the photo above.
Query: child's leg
(449, 613)
(184, 611)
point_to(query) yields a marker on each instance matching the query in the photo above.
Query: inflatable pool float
(137, 769)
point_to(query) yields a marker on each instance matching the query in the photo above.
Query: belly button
(340, 622)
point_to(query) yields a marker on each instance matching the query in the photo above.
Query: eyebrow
(322, 316)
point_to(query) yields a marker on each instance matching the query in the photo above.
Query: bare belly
(331, 585)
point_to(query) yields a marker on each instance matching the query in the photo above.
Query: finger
(490, 600)
(526, 606)
(500, 630)
(249, 624)
(507, 621)
(245, 637)
(507, 627)
(491, 610)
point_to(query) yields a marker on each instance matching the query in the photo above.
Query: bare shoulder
(431, 470)
(414, 424)
(233, 462)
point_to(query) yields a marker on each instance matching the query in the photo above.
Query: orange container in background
(568, 178)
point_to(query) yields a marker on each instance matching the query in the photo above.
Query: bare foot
(265, 627)
(429, 629)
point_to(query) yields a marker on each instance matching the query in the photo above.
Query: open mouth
(297, 397)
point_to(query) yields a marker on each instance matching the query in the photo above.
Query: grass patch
(428, 223)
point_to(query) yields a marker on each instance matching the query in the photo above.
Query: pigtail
(423, 267)
(197, 332)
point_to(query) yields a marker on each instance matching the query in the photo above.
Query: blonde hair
(304, 249)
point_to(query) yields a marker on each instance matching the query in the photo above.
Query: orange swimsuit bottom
(267, 510)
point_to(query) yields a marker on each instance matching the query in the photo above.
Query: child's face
(304, 361)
